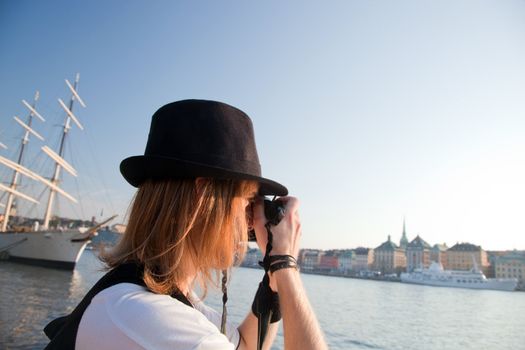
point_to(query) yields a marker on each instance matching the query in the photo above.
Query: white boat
(44, 245)
(435, 275)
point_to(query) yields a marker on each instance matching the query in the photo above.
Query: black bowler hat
(199, 138)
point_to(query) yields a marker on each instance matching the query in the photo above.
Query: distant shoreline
(334, 274)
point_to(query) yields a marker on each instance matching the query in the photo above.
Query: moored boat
(44, 245)
(435, 275)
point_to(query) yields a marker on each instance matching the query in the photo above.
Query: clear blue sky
(368, 111)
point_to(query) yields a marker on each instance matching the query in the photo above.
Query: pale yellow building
(511, 265)
(309, 259)
(363, 259)
(461, 256)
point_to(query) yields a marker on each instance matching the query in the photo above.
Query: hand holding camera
(273, 212)
(277, 228)
(283, 216)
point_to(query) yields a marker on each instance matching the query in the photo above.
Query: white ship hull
(44, 248)
(435, 275)
(494, 284)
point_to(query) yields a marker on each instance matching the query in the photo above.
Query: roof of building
(329, 257)
(440, 247)
(312, 253)
(361, 251)
(388, 245)
(307, 250)
(331, 253)
(465, 247)
(418, 242)
(512, 256)
(347, 253)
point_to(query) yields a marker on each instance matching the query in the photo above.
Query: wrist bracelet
(275, 258)
(272, 259)
(281, 258)
(283, 265)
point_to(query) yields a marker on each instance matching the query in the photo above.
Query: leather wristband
(275, 258)
(283, 265)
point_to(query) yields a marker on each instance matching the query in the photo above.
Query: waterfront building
(346, 261)
(493, 255)
(252, 257)
(461, 256)
(511, 265)
(389, 258)
(329, 261)
(120, 228)
(438, 254)
(310, 259)
(418, 254)
(364, 259)
(300, 256)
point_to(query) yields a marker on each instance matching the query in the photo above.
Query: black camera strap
(265, 295)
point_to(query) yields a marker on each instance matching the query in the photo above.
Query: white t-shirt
(128, 316)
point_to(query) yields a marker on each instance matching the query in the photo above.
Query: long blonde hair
(180, 229)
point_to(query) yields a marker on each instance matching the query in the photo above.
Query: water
(354, 314)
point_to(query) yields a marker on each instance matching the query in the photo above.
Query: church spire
(403, 242)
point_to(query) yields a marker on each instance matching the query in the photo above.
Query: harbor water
(354, 314)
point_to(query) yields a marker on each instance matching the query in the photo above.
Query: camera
(273, 211)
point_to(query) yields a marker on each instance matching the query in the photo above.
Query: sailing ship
(44, 245)
(435, 275)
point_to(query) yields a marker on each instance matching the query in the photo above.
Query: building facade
(329, 261)
(346, 261)
(310, 259)
(511, 265)
(364, 259)
(438, 253)
(418, 254)
(252, 258)
(462, 256)
(389, 258)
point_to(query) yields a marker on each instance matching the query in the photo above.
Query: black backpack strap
(63, 331)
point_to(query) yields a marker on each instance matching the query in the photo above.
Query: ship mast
(14, 182)
(59, 160)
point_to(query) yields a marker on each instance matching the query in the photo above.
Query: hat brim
(137, 169)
